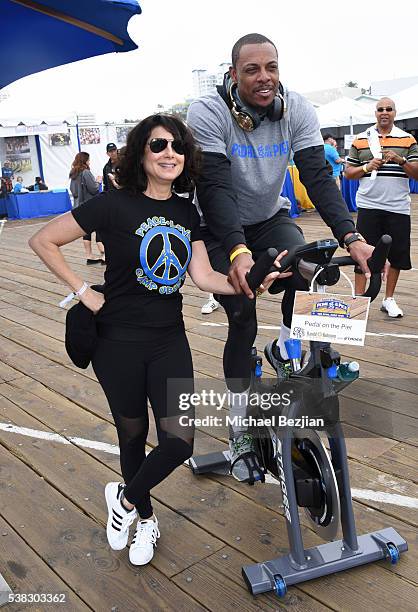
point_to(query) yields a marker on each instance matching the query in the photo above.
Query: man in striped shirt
(384, 204)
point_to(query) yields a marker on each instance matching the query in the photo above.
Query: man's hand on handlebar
(361, 252)
(240, 267)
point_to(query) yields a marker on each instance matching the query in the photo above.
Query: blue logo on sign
(167, 268)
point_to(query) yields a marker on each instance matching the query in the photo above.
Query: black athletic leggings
(154, 364)
(282, 233)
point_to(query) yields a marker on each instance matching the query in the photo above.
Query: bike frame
(302, 564)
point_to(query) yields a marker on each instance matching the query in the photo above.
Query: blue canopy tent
(47, 33)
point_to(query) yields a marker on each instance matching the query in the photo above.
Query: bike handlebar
(263, 266)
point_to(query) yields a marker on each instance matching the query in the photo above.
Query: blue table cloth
(349, 190)
(289, 193)
(413, 186)
(37, 204)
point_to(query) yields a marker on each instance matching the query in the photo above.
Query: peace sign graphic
(165, 268)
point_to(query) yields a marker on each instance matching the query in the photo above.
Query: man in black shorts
(383, 200)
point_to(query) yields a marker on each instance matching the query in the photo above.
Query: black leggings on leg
(282, 233)
(130, 372)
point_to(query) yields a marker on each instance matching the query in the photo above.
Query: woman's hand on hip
(93, 300)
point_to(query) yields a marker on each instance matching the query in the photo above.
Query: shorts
(373, 223)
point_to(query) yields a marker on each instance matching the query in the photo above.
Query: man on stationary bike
(247, 131)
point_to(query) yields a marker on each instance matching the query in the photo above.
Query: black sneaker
(283, 367)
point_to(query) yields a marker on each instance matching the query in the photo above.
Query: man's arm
(333, 155)
(411, 169)
(209, 122)
(217, 201)
(323, 191)
(409, 166)
(357, 172)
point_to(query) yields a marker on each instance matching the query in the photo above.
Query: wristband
(239, 252)
(365, 168)
(74, 294)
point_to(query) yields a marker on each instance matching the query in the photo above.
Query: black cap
(111, 147)
(81, 333)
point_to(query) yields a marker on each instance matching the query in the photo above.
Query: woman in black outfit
(152, 237)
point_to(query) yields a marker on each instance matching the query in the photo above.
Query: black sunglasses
(159, 144)
(389, 109)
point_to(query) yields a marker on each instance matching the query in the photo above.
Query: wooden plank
(400, 459)
(49, 311)
(218, 584)
(370, 417)
(7, 373)
(26, 572)
(33, 321)
(393, 400)
(76, 473)
(75, 547)
(338, 591)
(391, 363)
(57, 377)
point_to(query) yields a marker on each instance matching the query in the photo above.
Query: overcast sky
(321, 44)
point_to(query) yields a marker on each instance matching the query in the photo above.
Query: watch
(365, 170)
(403, 162)
(355, 236)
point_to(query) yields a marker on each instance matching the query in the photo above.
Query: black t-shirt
(148, 249)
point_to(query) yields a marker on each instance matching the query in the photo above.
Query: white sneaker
(144, 541)
(390, 306)
(119, 520)
(210, 306)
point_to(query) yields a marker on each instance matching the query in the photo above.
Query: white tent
(407, 103)
(47, 145)
(344, 111)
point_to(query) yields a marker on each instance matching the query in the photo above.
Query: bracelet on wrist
(239, 252)
(74, 294)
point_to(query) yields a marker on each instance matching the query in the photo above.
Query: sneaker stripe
(116, 528)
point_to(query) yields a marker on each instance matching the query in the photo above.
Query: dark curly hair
(131, 174)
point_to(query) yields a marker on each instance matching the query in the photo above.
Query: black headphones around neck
(248, 118)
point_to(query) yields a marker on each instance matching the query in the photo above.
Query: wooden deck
(52, 511)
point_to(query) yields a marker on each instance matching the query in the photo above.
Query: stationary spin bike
(310, 477)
